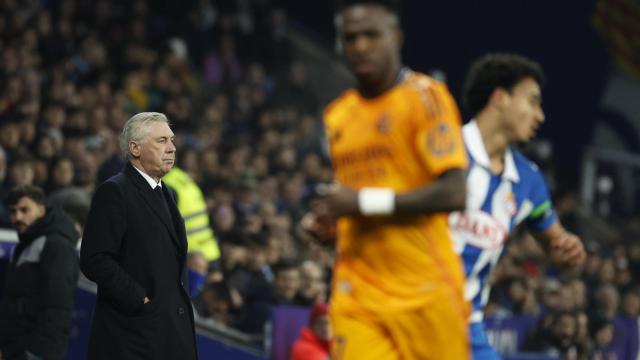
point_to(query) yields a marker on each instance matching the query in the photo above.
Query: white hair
(136, 129)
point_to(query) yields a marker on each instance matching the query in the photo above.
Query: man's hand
(334, 201)
(567, 249)
(322, 231)
(146, 300)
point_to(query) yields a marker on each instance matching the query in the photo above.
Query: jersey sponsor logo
(477, 228)
(368, 154)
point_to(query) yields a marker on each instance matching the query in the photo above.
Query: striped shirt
(496, 204)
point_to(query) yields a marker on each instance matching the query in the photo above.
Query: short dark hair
(392, 6)
(285, 265)
(32, 192)
(497, 70)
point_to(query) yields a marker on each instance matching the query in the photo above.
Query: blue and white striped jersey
(496, 204)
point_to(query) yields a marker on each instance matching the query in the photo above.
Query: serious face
(522, 110)
(157, 153)
(371, 39)
(24, 213)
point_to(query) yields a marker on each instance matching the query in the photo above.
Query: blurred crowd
(249, 133)
(588, 314)
(247, 127)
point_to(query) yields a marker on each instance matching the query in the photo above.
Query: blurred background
(244, 83)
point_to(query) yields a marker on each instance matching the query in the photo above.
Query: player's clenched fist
(567, 250)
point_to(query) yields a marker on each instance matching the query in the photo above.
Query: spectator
(215, 303)
(287, 283)
(261, 296)
(313, 343)
(37, 303)
(314, 288)
(21, 170)
(557, 338)
(601, 330)
(197, 267)
(583, 339)
(61, 175)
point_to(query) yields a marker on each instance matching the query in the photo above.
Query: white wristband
(376, 201)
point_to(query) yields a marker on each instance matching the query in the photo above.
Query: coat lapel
(178, 223)
(153, 202)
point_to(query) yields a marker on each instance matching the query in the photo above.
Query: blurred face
(22, 174)
(522, 110)
(582, 332)
(608, 301)
(9, 136)
(63, 173)
(256, 257)
(197, 263)
(517, 292)
(579, 290)
(24, 213)
(631, 305)
(604, 336)
(551, 299)
(157, 154)
(607, 272)
(313, 280)
(46, 148)
(371, 41)
(224, 218)
(564, 330)
(287, 283)
(40, 172)
(567, 298)
(217, 307)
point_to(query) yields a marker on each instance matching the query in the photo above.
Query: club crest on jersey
(383, 123)
(477, 228)
(440, 141)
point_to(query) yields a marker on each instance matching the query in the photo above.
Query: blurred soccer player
(504, 189)
(399, 161)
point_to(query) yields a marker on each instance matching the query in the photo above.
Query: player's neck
(371, 91)
(494, 139)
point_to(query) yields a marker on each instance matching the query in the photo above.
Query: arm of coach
(100, 252)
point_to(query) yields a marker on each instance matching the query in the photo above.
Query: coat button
(180, 311)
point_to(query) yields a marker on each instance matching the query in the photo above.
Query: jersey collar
(475, 146)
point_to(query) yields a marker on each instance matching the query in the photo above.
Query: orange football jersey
(403, 139)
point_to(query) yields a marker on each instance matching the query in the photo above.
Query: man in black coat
(134, 248)
(37, 304)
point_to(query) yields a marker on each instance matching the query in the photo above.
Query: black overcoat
(135, 246)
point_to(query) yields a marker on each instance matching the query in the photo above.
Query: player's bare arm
(564, 248)
(447, 193)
